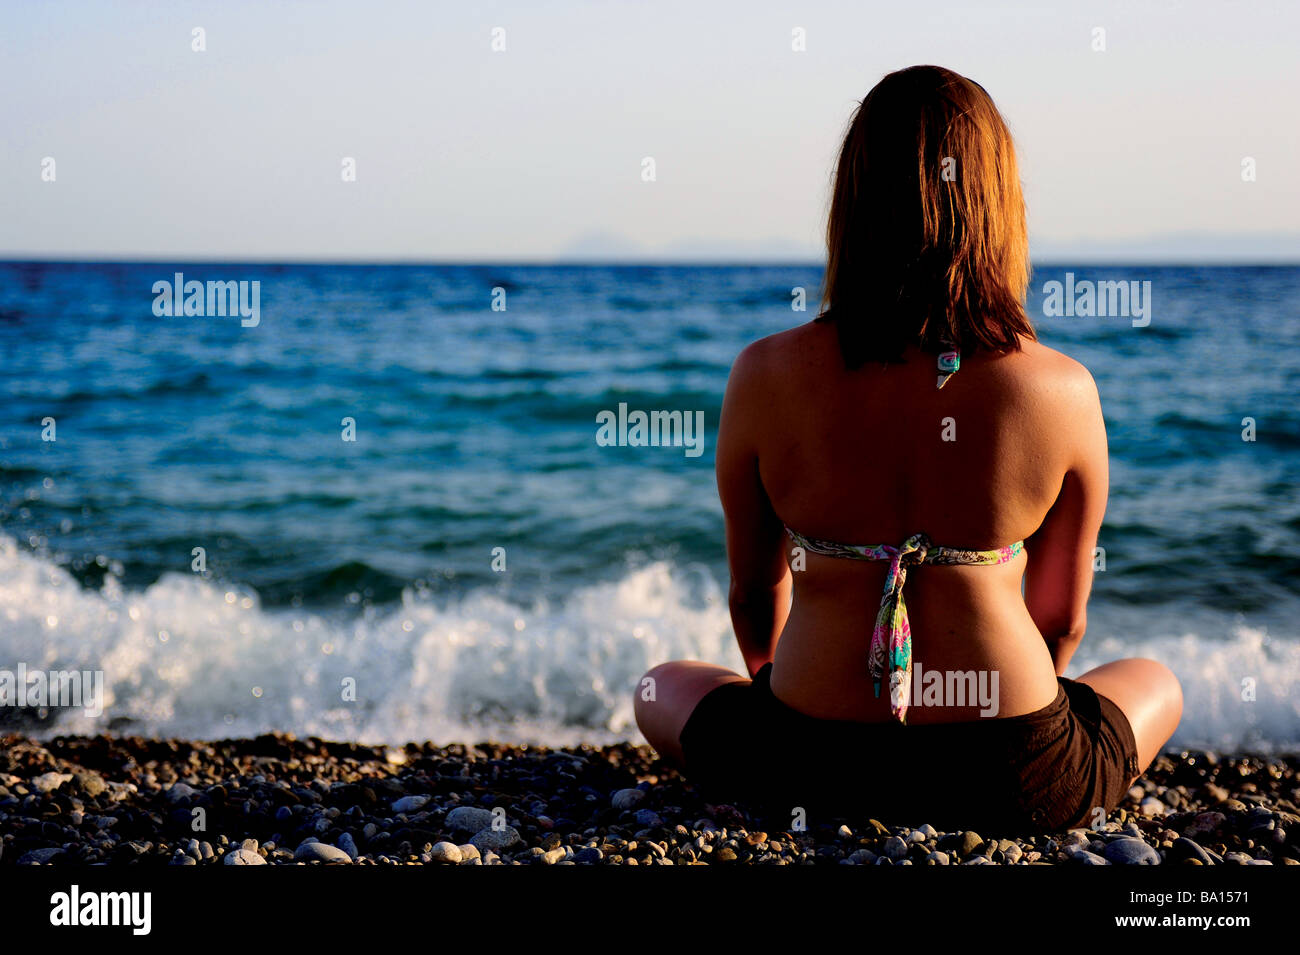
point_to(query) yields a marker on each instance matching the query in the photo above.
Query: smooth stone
(1185, 848)
(626, 799)
(970, 842)
(555, 855)
(349, 845)
(469, 819)
(89, 783)
(1151, 806)
(39, 856)
(490, 838)
(895, 848)
(48, 782)
(469, 852)
(648, 818)
(320, 852)
(588, 856)
(1130, 851)
(446, 852)
(938, 858)
(1084, 857)
(243, 857)
(1205, 824)
(409, 804)
(179, 791)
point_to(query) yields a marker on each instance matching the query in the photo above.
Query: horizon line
(579, 262)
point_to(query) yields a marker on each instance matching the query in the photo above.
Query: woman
(915, 433)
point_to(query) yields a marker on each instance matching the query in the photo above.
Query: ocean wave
(186, 657)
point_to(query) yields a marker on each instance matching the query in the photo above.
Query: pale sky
(535, 153)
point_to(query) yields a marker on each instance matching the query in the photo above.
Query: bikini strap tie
(890, 654)
(891, 639)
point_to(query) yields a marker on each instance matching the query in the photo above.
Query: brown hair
(926, 237)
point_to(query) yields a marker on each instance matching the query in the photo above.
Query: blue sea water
(372, 561)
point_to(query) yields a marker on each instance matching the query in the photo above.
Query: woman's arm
(759, 596)
(1058, 577)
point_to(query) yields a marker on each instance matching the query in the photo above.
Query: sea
(379, 507)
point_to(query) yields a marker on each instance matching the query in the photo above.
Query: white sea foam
(188, 658)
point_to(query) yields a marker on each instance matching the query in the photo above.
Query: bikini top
(891, 639)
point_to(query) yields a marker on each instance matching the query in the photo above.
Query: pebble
(1151, 806)
(490, 838)
(1130, 851)
(408, 804)
(349, 845)
(121, 800)
(1185, 848)
(895, 848)
(39, 856)
(320, 852)
(180, 792)
(243, 857)
(626, 799)
(970, 843)
(48, 782)
(91, 784)
(469, 819)
(446, 852)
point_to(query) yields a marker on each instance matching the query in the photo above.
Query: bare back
(874, 455)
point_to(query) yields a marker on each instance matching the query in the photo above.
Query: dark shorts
(1067, 765)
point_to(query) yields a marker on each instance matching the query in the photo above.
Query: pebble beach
(278, 800)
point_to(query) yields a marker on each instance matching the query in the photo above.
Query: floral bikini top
(891, 640)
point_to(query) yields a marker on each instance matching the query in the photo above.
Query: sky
(536, 152)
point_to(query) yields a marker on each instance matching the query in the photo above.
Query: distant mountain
(612, 247)
(1175, 248)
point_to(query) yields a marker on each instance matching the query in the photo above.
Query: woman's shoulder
(779, 355)
(1037, 368)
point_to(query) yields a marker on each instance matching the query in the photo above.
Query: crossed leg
(1150, 696)
(1146, 691)
(675, 689)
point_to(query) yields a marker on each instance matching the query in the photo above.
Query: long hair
(926, 240)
